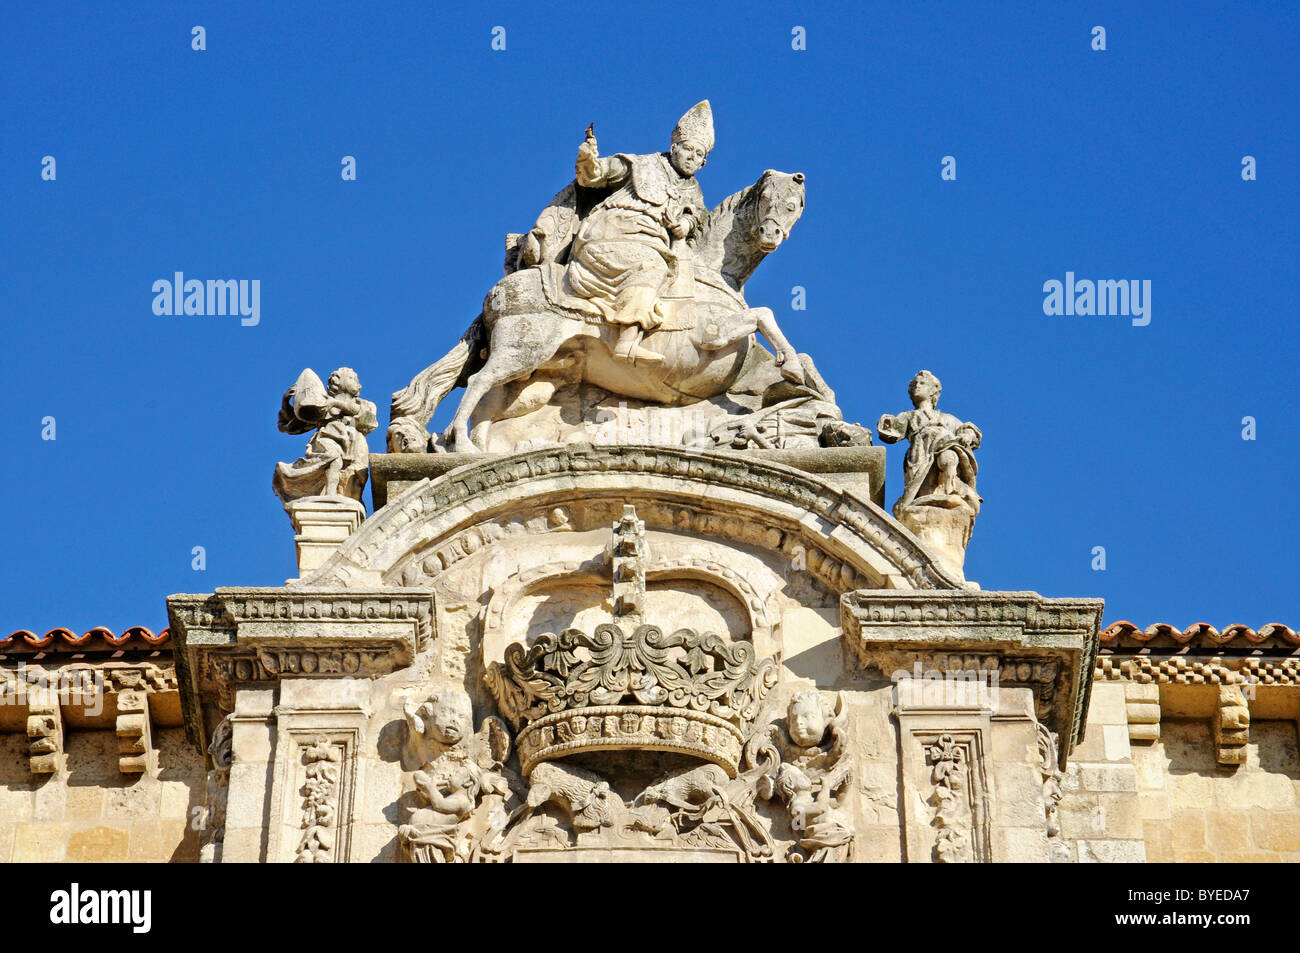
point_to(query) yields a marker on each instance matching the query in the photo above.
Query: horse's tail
(420, 398)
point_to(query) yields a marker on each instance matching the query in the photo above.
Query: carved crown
(689, 693)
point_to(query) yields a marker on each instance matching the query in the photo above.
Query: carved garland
(952, 820)
(321, 762)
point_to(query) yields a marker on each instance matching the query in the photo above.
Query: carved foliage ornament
(952, 821)
(320, 802)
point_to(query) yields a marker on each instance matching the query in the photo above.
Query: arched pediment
(842, 540)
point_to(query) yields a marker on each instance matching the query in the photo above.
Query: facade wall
(1168, 799)
(1194, 809)
(1101, 819)
(91, 811)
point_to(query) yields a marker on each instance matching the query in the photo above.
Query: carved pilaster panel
(946, 809)
(317, 770)
(315, 786)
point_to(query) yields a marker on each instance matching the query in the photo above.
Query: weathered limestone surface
(1190, 753)
(89, 811)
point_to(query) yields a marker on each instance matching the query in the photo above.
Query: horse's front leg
(520, 344)
(786, 357)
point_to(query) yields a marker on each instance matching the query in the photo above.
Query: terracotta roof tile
(137, 636)
(1198, 635)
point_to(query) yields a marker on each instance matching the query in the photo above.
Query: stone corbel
(1142, 702)
(135, 733)
(44, 733)
(1231, 725)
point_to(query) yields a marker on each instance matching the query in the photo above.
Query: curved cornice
(869, 545)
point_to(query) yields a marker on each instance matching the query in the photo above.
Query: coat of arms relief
(629, 741)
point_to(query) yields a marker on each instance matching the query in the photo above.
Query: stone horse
(521, 330)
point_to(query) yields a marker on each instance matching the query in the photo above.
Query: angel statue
(808, 770)
(460, 774)
(940, 467)
(337, 459)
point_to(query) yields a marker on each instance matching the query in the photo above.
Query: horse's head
(780, 203)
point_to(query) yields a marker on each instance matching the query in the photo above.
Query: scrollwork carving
(685, 692)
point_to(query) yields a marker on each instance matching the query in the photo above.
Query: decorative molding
(1200, 670)
(817, 511)
(254, 636)
(1016, 638)
(84, 682)
(420, 567)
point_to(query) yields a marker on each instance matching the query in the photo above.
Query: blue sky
(1122, 164)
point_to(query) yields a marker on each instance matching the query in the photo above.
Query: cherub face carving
(447, 717)
(806, 719)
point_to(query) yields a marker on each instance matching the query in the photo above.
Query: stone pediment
(836, 534)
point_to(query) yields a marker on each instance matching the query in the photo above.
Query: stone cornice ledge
(259, 635)
(1049, 645)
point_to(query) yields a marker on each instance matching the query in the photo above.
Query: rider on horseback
(624, 256)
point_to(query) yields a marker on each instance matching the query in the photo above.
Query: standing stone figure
(940, 467)
(626, 252)
(939, 502)
(337, 458)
